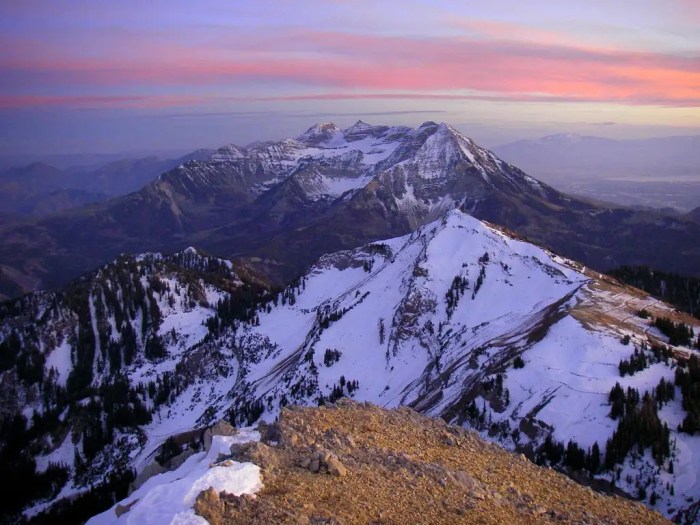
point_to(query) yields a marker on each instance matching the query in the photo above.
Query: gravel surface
(359, 464)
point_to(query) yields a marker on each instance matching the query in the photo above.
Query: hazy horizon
(170, 152)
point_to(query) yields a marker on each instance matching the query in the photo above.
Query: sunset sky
(86, 76)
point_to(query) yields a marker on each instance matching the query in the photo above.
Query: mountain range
(398, 266)
(659, 173)
(556, 157)
(40, 189)
(459, 319)
(282, 204)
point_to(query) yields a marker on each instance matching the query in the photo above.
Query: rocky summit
(356, 463)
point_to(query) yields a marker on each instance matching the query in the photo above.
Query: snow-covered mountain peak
(430, 127)
(428, 124)
(450, 130)
(326, 162)
(447, 133)
(319, 132)
(360, 125)
(228, 153)
(444, 245)
(410, 287)
(439, 151)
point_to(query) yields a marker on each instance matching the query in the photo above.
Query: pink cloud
(506, 97)
(97, 101)
(491, 29)
(331, 62)
(691, 8)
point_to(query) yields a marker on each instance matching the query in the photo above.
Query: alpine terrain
(282, 204)
(116, 377)
(355, 463)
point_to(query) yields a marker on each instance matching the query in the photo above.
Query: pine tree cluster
(456, 290)
(639, 427)
(688, 379)
(679, 334)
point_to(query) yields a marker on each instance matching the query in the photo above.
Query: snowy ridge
(318, 186)
(349, 159)
(228, 153)
(133, 331)
(319, 132)
(423, 266)
(457, 319)
(431, 318)
(343, 160)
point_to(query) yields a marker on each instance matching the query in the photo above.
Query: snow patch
(168, 498)
(60, 360)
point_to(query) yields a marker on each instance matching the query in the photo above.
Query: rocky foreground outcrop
(353, 463)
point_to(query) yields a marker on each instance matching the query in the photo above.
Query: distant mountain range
(282, 204)
(660, 173)
(70, 161)
(40, 189)
(557, 157)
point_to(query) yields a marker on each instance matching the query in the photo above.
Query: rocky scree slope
(396, 466)
(287, 202)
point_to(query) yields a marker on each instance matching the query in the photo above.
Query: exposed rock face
(152, 469)
(120, 510)
(254, 452)
(323, 462)
(400, 467)
(220, 428)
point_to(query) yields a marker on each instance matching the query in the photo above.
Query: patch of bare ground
(606, 303)
(359, 464)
